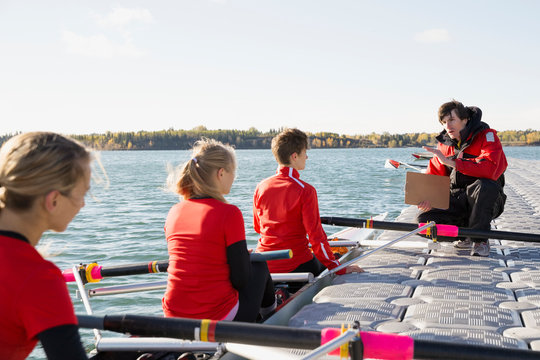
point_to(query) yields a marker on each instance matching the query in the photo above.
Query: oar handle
(271, 255)
(94, 272)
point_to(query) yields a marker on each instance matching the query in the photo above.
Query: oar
(375, 345)
(423, 155)
(394, 164)
(442, 230)
(303, 277)
(94, 272)
(364, 255)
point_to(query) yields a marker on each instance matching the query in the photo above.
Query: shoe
(480, 248)
(463, 244)
(282, 295)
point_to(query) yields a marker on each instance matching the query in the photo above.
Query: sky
(343, 66)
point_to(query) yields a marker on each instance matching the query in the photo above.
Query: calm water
(124, 223)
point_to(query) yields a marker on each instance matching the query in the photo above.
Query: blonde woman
(210, 274)
(43, 181)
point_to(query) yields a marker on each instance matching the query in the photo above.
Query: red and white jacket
(286, 214)
(480, 155)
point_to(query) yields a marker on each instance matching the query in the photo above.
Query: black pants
(313, 266)
(259, 292)
(473, 207)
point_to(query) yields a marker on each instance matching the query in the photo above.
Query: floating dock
(444, 294)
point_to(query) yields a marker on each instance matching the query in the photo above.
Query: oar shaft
(98, 272)
(417, 168)
(396, 164)
(498, 234)
(161, 266)
(135, 269)
(442, 230)
(375, 344)
(361, 257)
(367, 223)
(424, 349)
(206, 330)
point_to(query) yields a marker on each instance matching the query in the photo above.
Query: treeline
(254, 139)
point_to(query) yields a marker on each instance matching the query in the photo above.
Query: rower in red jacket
(210, 273)
(472, 155)
(43, 181)
(286, 212)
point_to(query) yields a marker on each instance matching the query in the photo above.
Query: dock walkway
(445, 294)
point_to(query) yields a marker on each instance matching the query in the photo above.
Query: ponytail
(197, 175)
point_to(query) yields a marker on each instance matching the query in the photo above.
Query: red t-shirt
(198, 232)
(33, 298)
(286, 214)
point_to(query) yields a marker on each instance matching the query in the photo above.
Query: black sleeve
(62, 343)
(239, 264)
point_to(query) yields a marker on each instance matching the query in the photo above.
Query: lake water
(124, 223)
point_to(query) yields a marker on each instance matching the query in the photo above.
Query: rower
(286, 212)
(43, 181)
(210, 273)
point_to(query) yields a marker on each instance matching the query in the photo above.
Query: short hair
(288, 142)
(33, 164)
(446, 109)
(195, 177)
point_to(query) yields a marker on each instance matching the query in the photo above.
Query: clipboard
(433, 188)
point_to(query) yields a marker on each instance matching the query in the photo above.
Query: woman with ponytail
(43, 181)
(210, 273)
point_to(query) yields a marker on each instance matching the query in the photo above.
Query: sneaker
(282, 295)
(480, 249)
(463, 244)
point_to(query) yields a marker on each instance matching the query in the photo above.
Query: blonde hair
(35, 163)
(195, 178)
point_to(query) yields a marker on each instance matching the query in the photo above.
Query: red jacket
(286, 214)
(480, 156)
(33, 298)
(198, 233)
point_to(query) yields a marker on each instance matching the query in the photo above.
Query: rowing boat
(283, 336)
(126, 347)
(485, 308)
